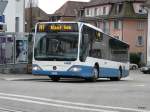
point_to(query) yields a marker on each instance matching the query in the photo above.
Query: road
(25, 93)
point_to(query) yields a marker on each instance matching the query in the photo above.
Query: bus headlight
(36, 67)
(75, 69)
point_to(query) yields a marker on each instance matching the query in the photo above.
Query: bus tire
(55, 79)
(119, 77)
(95, 74)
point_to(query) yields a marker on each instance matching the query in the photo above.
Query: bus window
(96, 53)
(1, 27)
(119, 50)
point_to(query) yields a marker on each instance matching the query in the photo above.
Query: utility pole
(30, 16)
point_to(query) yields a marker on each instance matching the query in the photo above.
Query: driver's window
(85, 43)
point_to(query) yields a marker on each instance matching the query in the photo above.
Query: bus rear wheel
(95, 74)
(55, 79)
(119, 77)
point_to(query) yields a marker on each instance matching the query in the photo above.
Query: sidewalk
(15, 77)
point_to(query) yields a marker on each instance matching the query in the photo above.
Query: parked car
(133, 66)
(145, 69)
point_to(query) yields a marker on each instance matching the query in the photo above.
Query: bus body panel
(107, 68)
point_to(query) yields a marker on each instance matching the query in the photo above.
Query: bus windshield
(56, 46)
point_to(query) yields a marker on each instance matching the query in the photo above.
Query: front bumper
(86, 72)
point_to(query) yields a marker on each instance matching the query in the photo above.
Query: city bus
(78, 50)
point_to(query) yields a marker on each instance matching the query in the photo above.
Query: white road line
(15, 79)
(73, 103)
(55, 105)
(140, 85)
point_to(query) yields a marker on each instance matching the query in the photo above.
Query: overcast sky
(50, 6)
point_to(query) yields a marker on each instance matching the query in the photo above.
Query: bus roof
(87, 24)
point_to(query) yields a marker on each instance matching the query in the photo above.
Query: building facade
(14, 15)
(123, 19)
(147, 7)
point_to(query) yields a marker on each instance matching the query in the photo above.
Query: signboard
(2, 19)
(57, 27)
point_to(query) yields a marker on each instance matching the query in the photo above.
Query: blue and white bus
(78, 50)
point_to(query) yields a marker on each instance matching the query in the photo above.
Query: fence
(14, 53)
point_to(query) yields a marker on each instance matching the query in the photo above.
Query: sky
(50, 6)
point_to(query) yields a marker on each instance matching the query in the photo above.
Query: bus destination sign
(57, 27)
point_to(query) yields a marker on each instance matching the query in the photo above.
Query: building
(2, 17)
(3, 4)
(147, 6)
(14, 15)
(68, 12)
(34, 15)
(123, 19)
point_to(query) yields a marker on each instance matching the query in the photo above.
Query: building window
(140, 25)
(141, 10)
(117, 24)
(106, 27)
(118, 8)
(104, 10)
(87, 12)
(17, 24)
(140, 41)
(95, 11)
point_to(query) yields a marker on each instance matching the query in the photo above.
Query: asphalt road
(28, 93)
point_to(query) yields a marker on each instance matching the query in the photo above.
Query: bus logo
(54, 67)
(41, 27)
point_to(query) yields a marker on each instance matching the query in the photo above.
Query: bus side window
(96, 53)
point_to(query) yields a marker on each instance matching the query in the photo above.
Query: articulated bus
(78, 50)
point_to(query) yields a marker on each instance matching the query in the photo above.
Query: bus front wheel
(95, 74)
(55, 79)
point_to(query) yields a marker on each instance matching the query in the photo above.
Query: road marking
(140, 85)
(16, 79)
(56, 105)
(72, 103)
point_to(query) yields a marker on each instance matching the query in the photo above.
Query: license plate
(54, 73)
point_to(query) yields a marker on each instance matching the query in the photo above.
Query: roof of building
(127, 12)
(101, 2)
(70, 8)
(147, 3)
(37, 13)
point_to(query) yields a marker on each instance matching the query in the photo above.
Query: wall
(131, 33)
(14, 8)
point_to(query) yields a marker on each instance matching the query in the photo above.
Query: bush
(135, 58)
